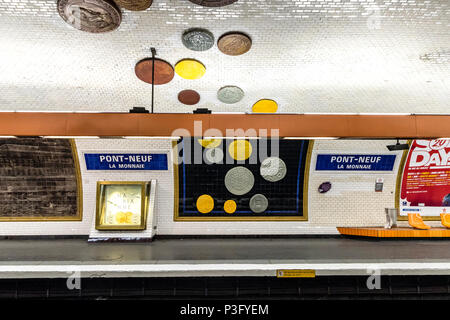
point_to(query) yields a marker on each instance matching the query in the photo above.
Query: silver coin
(230, 94)
(198, 39)
(273, 169)
(259, 203)
(95, 16)
(239, 181)
(214, 155)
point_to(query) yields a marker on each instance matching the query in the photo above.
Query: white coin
(273, 169)
(214, 155)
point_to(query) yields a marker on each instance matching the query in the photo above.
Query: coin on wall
(273, 169)
(230, 206)
(214, 155)
(258, 203)
(239, 181)
(95, 16)
(213, 3)
(205, 203)
(210, 143)
(240, 150)
(134, 5)
(234, 44)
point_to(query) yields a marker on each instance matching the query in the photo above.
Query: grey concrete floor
(328, 250)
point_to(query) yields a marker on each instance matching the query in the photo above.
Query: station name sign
(355, 162)
(121, 161)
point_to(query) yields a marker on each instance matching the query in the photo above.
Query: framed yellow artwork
(122, 205)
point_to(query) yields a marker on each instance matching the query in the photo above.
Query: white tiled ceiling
(328, 56)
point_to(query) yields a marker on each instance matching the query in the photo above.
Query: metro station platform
(254, 257)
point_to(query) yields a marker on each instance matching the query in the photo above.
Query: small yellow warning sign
(296, 273)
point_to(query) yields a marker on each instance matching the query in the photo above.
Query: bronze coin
(213, 3)
(164, 72)
(189, 97)
(134, 5)
(93, 16)
(234, 44)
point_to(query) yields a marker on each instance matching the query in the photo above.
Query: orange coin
(205, 203)
(230, 206)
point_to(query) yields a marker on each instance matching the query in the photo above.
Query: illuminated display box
(122, 205)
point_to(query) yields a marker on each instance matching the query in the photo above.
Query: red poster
(426, 178)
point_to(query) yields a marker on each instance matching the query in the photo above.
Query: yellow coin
(205, 203)
(210, 143)
(240, 149)
(124, 217)
(230, 206)
(265, 106)
(190, 69)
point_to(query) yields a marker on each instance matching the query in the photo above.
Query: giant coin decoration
(163, 71)
(239, 181)
(230, 206)
(240, 150)
(190, 69)
(258, 203)
(234, 44)
(134, 5)
(95, 16)
(198, 39)
(230, 94)
(213, 3)
(209, 143)
(205, 203)
(265, 106)
(214, 155)
(189, 97)
(273, 169)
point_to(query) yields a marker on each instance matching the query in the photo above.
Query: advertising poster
(425, 186)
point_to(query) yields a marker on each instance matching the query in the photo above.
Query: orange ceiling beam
(288, 125)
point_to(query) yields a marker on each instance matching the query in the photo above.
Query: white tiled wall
(352, 200)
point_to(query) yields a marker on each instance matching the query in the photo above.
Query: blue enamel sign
(355, 162)
(122, 161)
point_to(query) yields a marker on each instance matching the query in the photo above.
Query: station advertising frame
(424, 183)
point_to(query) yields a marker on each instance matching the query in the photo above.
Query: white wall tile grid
(309, 55)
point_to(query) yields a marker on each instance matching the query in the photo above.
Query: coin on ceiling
(239, 181)
(234, 43)
(258, 203)
(134, 5)
(164, 72)
(190, 69)
(240, 150)
(95, 16)
(213, 3)
(230, 94)
(273, 169)
(265, 106)
(198, 39)
(189, 97)
(205, 203)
